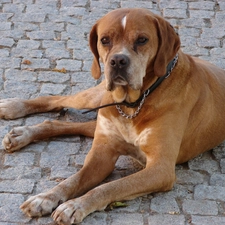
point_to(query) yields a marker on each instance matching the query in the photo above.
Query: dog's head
(131, 43)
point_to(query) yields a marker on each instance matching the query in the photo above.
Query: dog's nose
(119, 61)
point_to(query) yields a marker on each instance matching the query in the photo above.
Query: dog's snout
(119, 61)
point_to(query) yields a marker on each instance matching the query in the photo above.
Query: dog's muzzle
(119, 64)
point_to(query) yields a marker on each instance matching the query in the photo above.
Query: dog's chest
(127, 131)
(122, 130)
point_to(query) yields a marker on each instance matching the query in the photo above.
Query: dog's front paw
(40, 205)
(70, 212)
(12, 108)
(17, 138)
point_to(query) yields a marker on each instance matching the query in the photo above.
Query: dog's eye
(141, 41)
(105, 41)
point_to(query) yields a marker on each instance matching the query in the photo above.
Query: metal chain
(174, 64)
(122, 113)
(146, 93)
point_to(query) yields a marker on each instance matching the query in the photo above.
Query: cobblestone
(54, 34)
(6, 42)
(208, 220)
(203, 207)
(165, 219)
(222, 164)
(164, 204)
(23, 186)
(175, 13)
(198, 5)
(217, 180)
(21, 172)
(19, 159)
(131, 219)
(209, 192)
(13, 203)
(53, 77)
(55, 89)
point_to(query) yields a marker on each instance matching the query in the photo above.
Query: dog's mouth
(120, 81)
(122, 90)
(116, 81)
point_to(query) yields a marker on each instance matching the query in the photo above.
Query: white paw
(70, 212)
(17, 138)
(40, 205)
(12, 108)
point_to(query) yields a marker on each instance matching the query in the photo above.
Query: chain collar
(122, 113)
(170, 67)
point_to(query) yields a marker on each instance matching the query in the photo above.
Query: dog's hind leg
(15, 108)
(21, 136)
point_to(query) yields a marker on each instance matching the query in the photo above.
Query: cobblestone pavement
(54, 34)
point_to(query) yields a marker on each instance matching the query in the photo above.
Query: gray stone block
(39, 35)
(208, 5)
(204, 163)
(5, 26)
(203, 207)
(14, 74)
(136, 4)
(55, 77)
(29, 17)
(19, 159)
(29, 44)
(207, 220)
(57, 53)
(217, 180)
(62, 172)
(164, 204)
(9, 209)
(175, 13)
(69, 64)
(164, 219)
(53, 89)
(201, 14)
(36, 64)
(205, 192)
(189, 177)
(20, 172)
(23, 186)
(126, 219)
(7, 42)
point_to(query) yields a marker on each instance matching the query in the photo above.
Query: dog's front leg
(13, 108)
(157, 176)
(98, 164)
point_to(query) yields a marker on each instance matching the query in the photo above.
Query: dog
(156, 104)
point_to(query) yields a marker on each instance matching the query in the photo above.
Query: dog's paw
(12, 108)
(70, 212)
(17, 138)
(40, 205)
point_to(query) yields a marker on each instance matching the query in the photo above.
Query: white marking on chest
(144, 136)
(124, 21)
(115, 127)
(125, 131)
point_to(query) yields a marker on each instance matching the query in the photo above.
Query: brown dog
(182, 118)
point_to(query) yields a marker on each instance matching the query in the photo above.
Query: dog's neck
(140, 101)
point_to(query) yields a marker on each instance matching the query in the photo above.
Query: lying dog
(160, 106)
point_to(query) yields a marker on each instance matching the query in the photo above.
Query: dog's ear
(93, 40)
(169, 44)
